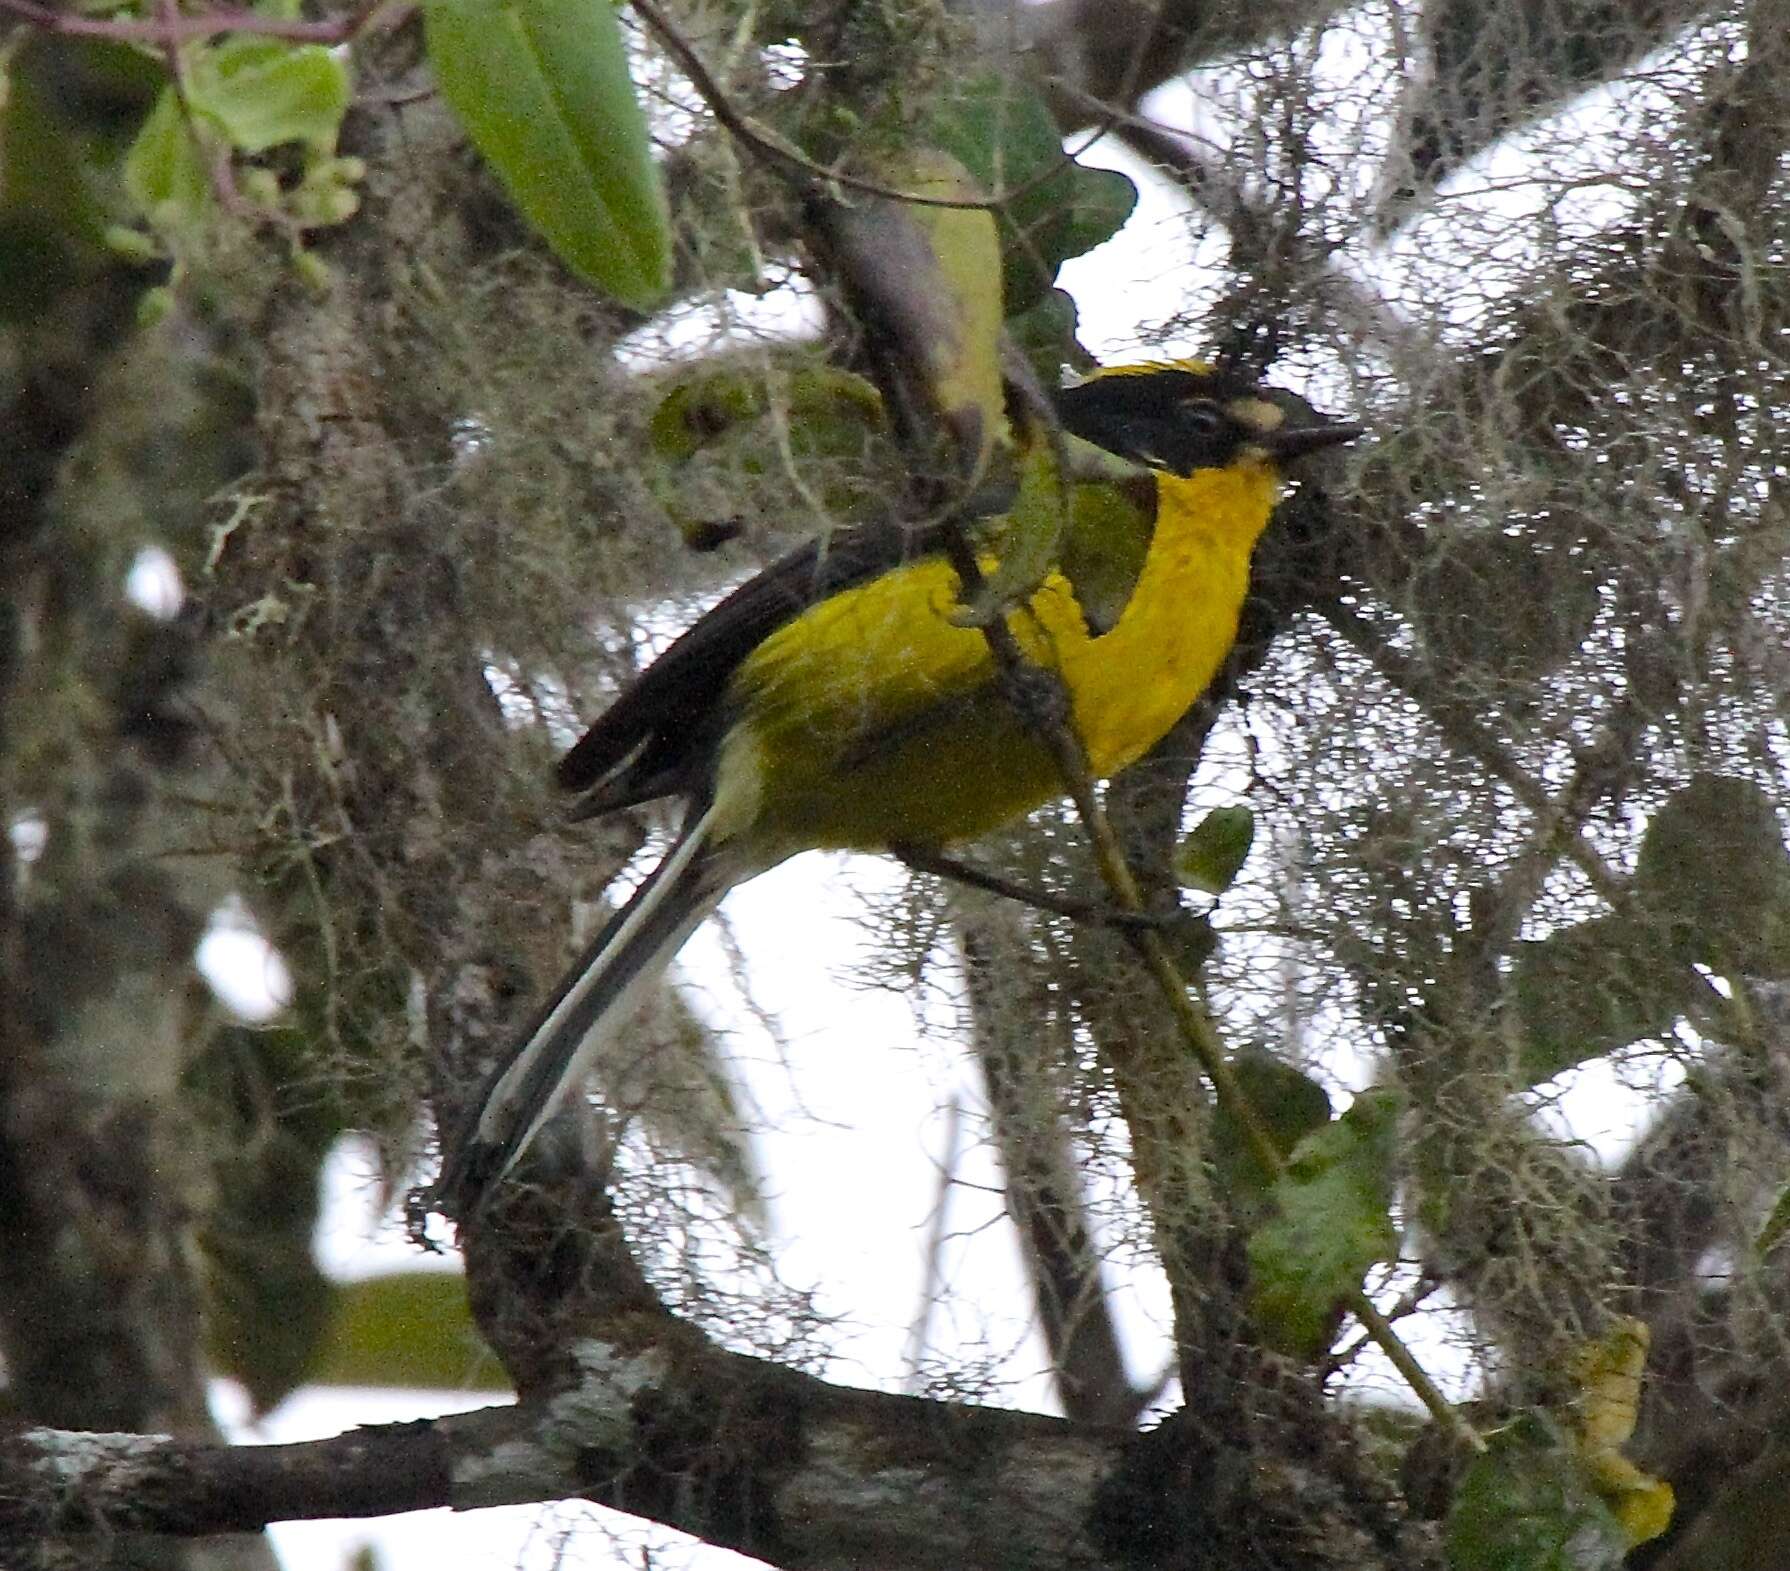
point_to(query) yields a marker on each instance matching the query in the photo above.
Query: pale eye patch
(1256, 414)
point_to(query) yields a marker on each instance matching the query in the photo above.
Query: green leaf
(1108, 542)
(1030, 541)
(1101, 200)
(1045, 335)
(1714, 871)
(1527, 1505)
(1288, 1103)
(703, 410)
(262, 92)
(1589, 989)
(408, 1328)
(1005, 136)
(542, 86)
(1333, 1222)
(163, 172)
(47, 167)
(153, 306)
(1212, 856)
(1776, 1225)
(829, 408)
(709, 431)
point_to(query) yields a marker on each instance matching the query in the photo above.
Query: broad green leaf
(408, 1328)
(1776, 1225)
(1528, 1505)
(51, 223)
(1110, 528)
(46, 165)
(722, 465)
(1054, 209)
(1332, 1223)
(1213, 854)
(1045, 335)
(1030, 541)
(163, 171)
(1589, 989)
(267, 1313)
(1714, 871)
(542, 87)
(703, 410)
(1288, 1103)
(828, 408)
(1101, 200)
(262, 92)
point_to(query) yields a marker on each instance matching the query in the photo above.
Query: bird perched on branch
(840, 700)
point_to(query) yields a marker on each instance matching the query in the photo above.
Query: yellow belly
(871, 719)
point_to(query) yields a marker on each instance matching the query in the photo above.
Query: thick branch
(741, 1453)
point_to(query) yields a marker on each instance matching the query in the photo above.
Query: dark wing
(656, 736)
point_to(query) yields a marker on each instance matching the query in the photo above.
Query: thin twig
(1214, 186)
(1467, 734)
(1040, 696)
(919, 1334)
(923, 860)
(1561, 821)
(1425, 1287)
(761, 141)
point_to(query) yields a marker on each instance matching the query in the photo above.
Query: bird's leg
(923, 859)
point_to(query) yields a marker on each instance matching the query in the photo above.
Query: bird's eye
(1201, 415)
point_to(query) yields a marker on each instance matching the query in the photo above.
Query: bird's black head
(1187, 416)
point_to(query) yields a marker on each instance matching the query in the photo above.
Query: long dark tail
(594, 1000)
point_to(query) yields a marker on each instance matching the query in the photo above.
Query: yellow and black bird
(835, 700)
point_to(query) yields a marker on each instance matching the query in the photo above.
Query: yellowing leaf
(1608, 1375)
(1642, 1503)
(407, 1328)
(964, 361)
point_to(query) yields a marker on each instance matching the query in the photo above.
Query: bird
(840, 700)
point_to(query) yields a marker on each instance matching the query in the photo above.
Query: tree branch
(738, 1451)
(175, 29)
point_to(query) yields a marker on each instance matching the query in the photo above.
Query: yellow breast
(872, 719)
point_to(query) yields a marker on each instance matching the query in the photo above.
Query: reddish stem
(170, 30)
